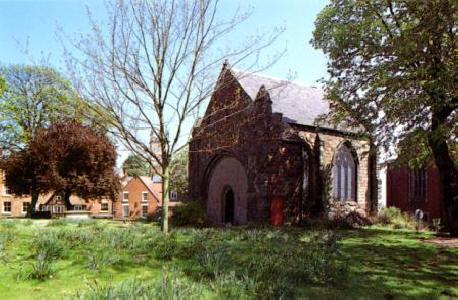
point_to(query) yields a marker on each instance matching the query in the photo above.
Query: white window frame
(173, 195)
(3, 207)
(143, 196)
(146, 215)
(124, 196)
(122, 211)
(30, 204)
(5, 190)
(80, 207)
(104, 202)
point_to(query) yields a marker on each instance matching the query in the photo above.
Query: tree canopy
(33, 97)
(179, 173)
(392, 69)
(67, 158)
(135, 165)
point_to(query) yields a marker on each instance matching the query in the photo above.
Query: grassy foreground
(113, 260)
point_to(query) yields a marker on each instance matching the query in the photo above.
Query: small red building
(139, 197)
(413, 188)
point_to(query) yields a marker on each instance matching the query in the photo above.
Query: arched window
(344, 175)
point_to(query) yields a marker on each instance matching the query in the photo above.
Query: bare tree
(154, 66)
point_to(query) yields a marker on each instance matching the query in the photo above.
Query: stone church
(259, 154)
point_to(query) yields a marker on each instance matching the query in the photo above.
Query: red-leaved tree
(67, 158)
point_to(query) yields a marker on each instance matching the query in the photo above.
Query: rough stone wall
(248, 131)
(272, 154)
(329, 143)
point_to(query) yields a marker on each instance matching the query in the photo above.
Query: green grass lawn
(106, 260)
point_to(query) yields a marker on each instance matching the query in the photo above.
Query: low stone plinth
(77, 214)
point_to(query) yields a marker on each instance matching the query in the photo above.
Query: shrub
(48, 244)
(212, 260)
(41, 269)
(229, 286)
(399, 220)
(189, 214)
(101, 258)
(436, 225)
(3, 254)
(170, 286)
(165, 247)
(155, 216)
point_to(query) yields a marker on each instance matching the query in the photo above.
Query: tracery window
(344, 175)
(417, 184)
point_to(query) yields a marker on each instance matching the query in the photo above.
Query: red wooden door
(276, 211)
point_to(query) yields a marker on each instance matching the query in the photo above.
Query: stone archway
(227, 192)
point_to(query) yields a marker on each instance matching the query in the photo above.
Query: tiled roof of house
(298, 103)
(152, 186)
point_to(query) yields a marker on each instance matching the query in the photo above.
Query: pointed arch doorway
(227, 192)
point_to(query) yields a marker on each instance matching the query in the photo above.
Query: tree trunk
(165, 198)
(373, 185)
(447, 171)
(34, 195)
(68, 204)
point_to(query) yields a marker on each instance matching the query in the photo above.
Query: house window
(104, 206)
(145, 196)
(125, 196)
(58, 198)
(79, 207)
(417, 184)
(344, 175)
(25, 206)
(57, 208)
(144, 211)
(125, 211)
(7, 207)
(6, 190)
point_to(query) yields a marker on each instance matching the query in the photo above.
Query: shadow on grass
(393, 263)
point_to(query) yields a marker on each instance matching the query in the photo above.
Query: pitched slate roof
(298, 103)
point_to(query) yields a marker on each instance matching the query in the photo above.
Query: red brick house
(414, 188)
(139, 197)
(258, 154)
(16, 207)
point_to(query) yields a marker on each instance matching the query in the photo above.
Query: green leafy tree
(135, 165)
(179, 173)
(3, 86)
(393, 70)
(36, 96)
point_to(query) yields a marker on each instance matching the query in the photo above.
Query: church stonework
(258, 141)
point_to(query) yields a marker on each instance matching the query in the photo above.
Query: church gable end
(246, 154)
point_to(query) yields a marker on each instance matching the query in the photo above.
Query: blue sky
(36, 21)
(33, 24)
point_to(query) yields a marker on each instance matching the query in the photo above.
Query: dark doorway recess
(229, 206)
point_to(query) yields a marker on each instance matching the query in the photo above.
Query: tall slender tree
(154, 66)
(393, 64)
